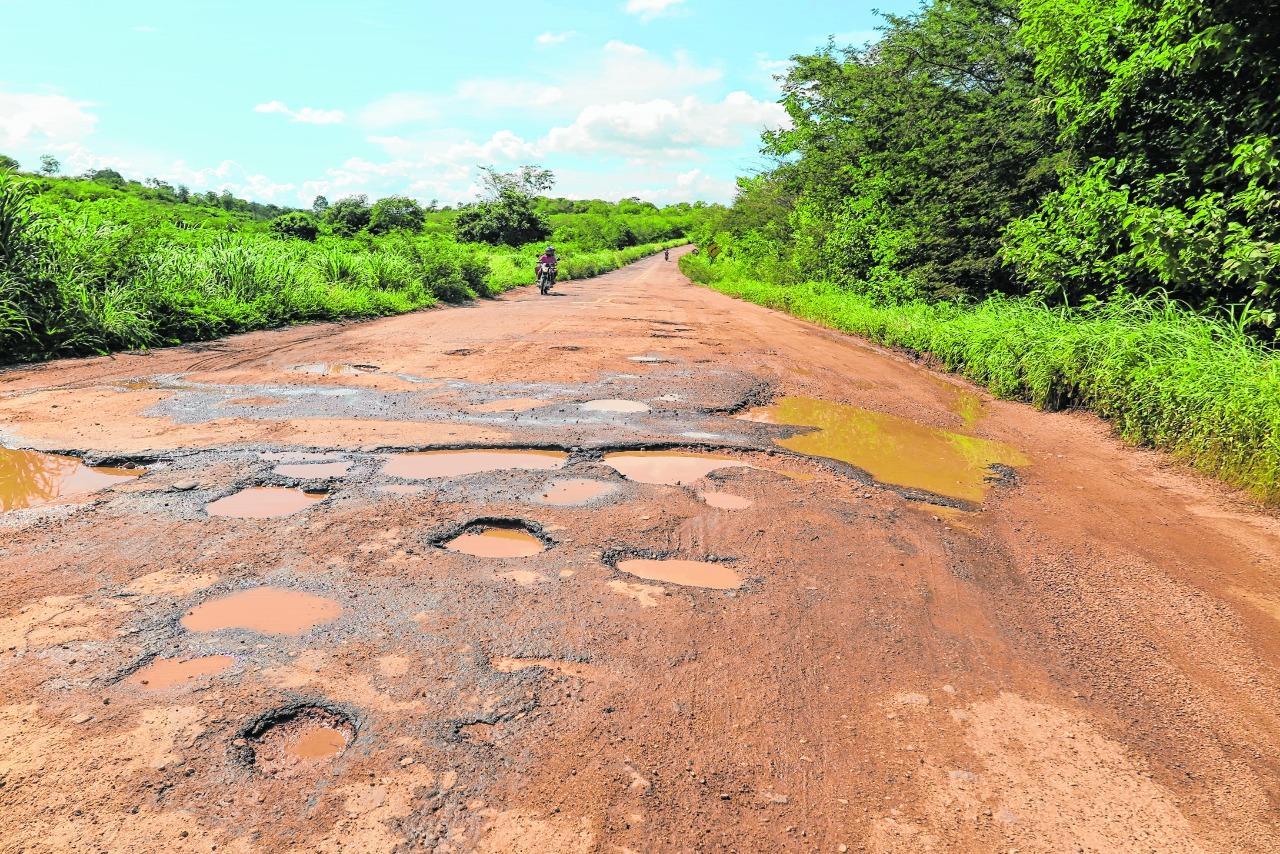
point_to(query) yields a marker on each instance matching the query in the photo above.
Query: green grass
(1165, 376)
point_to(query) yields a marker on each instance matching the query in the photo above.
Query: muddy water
(317, 742)
(566, 493)
(266, 610)
(691, 573)
(668, 467)
(263, 502)
(614, 406)
(428, 464)
(510, 404)
(496, 543)
(169, 672)
(312, 470)
(335, 369)
(891, 449)
(725, 501)
(28, 478)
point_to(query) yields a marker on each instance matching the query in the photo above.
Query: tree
(530, 180)
(49, 165)
(110, 177)
(295, 225)
(7, 162)
(319, 206)
(396, 212)
(348, 216)
(183, 193)
(510, 219)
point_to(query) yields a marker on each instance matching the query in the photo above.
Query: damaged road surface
(637, 568)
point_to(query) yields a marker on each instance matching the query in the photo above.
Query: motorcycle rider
(547, 265)
(666, 254)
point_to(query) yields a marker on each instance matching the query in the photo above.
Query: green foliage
(511, 219)
(7, 163)
(396, 212)
(107, 177)
(348, 216)
(49, 165)
(296, 225)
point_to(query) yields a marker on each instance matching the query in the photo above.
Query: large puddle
(312, 470)
(335, 369)
(567, 493)
(691, 573)
(428, 464)
(266, 610)
(263, 502)
(668, 467)
(165, 673)
(614, 406)
(28, 478)
(496, 542)
(891, 449)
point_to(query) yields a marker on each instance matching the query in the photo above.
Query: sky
(283, 100)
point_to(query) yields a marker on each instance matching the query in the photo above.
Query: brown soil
(1076, 650)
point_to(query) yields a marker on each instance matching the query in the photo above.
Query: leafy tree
(49, 165)
(109, 177)
(320, 205)
(530, 180)
(509, 212)
(295, 225)
(183, 192)
(396, 212)
(349, 216)
(7, 162)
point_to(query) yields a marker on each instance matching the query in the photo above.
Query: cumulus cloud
(647, 10)
(306, 115)
(555, 38)
(29, 119)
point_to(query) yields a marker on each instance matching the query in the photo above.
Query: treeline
(87, 267)
(1075, 202)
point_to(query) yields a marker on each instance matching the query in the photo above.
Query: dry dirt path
(996, 629)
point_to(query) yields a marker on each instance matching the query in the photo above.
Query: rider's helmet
(551, 250)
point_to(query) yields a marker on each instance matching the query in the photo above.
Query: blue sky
(281, 100)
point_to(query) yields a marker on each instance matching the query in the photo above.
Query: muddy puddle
(164, 673)
(303, 741)
(567, 493)
(496, 542)
(28, 478)
(334, 369)
(305, 471)
(429, 464)
(264, 502)
(668, 467)
(510, 404)
(725, 500)
(690, 573)
(622, 406)
(893, 450)
(266, 610)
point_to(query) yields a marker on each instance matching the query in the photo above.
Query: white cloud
(503, 94)
(306, 115)
(400, 108)
(555, 38)
(650, 9)
(30, 119)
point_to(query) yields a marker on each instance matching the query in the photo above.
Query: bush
(295, 225)
(512, 220)
(348, 216)
(396, 212)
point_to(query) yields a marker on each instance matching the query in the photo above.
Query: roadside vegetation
(98, 263)
(1074, 203)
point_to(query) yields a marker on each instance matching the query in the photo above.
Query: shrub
(396, 212)
(348, 216)
(295, 225)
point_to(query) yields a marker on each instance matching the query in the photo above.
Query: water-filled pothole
(891, 449)
(668, 467)
(28, 478)
(296, 739)
(725, 500)
(266, 610)
(429, 464)
(567, 493)
(691, 573)
(496, 540)
(164, 673)
(335, 369)
(614, 406)
(510, 404)
(264, 502)
(310, 471)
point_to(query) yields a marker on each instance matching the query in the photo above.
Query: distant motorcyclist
(546, 269)
(666, 254)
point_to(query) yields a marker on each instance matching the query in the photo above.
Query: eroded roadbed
(634, 569)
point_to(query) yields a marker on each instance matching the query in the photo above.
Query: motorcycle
(546, 278)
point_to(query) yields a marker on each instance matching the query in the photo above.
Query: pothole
(164, 673)
(567, 493)
(266, 610)
(308, 471)
(510, 404)
(611, 405)
(690, 573)
(296, 739)
(725, 500)
(421, 465)
(652, 360)
(496, 539)
(668, 467)
(334, 369)
(264, 502)
(28, 478)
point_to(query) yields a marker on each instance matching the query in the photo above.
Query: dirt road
(853, 605)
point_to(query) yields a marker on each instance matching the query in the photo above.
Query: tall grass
(1165, 376)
